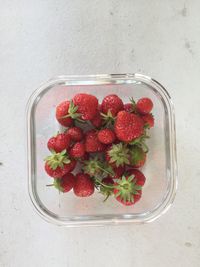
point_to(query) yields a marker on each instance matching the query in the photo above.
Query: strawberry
(58, 164)
(118, 172)
(97, 121)
(148, 120)
(59, 142)
(66, 183)
(138, 175)
(137, 157)
(84, 186)
(128, 107)
(92, 143)
(113, 104)
(61, 111)
(87, 105)
(75, 134)
(144, 105)
(85, 157)
(127, 191)
(128, 126)
(77, 150)
(108, 180)
(106, 136)
(117, 155)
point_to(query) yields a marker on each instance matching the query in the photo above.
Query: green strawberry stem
(133, 104)
(104, 170)
(102, 184)
(108, 195)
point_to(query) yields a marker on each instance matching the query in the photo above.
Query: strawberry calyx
(136, 154)
(126, 188)
(108, 119)
(140, 142)
(119, 154)
(57, 185)
(95, 167)
(58, 159)
(72, 113)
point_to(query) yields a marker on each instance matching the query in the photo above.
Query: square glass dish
(160, 169)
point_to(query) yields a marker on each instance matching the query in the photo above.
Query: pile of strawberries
(105, 143)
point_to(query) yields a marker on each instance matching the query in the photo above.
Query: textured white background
(41, 39)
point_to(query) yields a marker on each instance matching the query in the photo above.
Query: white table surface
(41, 39)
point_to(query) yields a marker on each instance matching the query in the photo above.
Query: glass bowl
(160, 169)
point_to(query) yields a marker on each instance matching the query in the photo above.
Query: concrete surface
(41, 39)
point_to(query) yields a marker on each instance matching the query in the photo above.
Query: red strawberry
(85, 157)
(144, 105)
(92, 143)
(117, 155)
(77, 150)
(58, 164)
(137, 157)
(138, 175)
(127, 191)
(87, 105)
(108, 180)
(66, 183)
(84, 186)
(119, 171)
(128, 107)
(75, 133)
(148, 120)
(97, 120)
(128, 126)
(61, 111)
(59, 142)
(106, 136)
(113, 104)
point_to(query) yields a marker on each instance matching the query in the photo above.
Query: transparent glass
(160, 169)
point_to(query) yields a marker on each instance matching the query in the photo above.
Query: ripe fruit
(75, 133)
(138, 175)
(148, 120)
(84, 186)
(144, 105)
(117, 155)
(106, 136)
(77, 150)
(108, 141)
(58, 164)
(128, 126)
(59, 142)
(97, 120)
(108, 180)
(61, 111)
(128, 107)
(66, 183)
(127, 191)
(87, 105)
(118, 172)
(92, 143)
(113, 104)
(137, 157)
